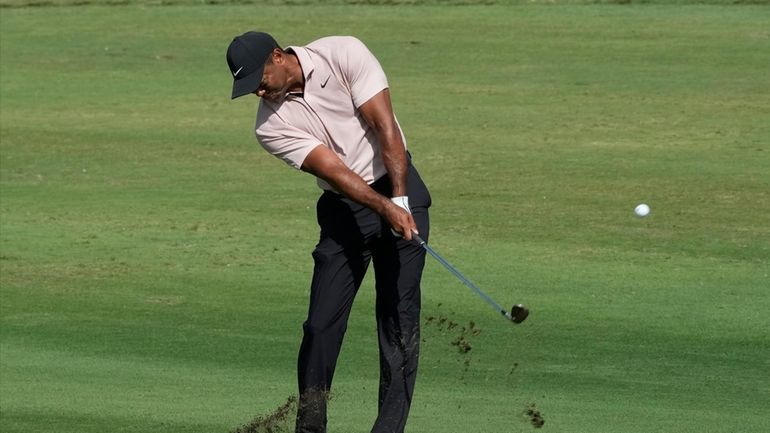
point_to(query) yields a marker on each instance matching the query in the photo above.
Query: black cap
(246, 57)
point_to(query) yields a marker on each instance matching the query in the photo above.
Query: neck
(297, 78)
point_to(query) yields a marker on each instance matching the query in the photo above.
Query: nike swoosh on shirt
(323, 85)
(235, 74)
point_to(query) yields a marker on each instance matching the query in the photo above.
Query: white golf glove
(403, 203)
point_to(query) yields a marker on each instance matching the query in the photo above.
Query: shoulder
(337, 45)
(268, 120)
(335, 41)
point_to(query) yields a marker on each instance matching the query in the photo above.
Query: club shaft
(462, 278)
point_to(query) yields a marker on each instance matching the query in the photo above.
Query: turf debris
(462, 334)
(534, 415)
(280, 420)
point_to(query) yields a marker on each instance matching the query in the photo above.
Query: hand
(402, 222)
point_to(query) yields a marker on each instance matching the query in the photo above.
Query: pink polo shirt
(341, 74)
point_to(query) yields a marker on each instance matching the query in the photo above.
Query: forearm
(395, 160)
(353, 187)
(323, 163)
(378, 114)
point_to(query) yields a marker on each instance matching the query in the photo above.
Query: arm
(325, 164)
(378, 113)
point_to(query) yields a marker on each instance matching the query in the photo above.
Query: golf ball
(642, 210)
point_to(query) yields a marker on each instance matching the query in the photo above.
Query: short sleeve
(363, 72)
(288, 143)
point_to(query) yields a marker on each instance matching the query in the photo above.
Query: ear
(277, 56)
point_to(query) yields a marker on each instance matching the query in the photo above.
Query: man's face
(275, 81)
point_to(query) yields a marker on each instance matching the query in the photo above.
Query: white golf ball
(642, 210)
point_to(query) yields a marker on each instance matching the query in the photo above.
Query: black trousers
(352, 236)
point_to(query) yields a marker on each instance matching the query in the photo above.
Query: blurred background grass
(37, 3)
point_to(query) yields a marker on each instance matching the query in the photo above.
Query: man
(325, 109)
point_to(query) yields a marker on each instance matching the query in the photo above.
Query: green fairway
(155, 261)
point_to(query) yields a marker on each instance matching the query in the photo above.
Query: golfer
(325, 109)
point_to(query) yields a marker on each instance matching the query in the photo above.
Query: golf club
(518, 312)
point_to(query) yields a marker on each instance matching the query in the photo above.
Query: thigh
(341, 259)
(399, 263)
(337, 275)
(398, 266)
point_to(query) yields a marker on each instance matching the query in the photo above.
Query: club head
(518, 313)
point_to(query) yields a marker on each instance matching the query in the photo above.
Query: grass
(154, 261)
(442, 3)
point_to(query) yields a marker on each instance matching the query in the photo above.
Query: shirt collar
(305, 62)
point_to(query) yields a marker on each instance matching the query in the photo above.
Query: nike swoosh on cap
(235, 74)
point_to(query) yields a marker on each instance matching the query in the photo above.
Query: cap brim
(247, 84)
